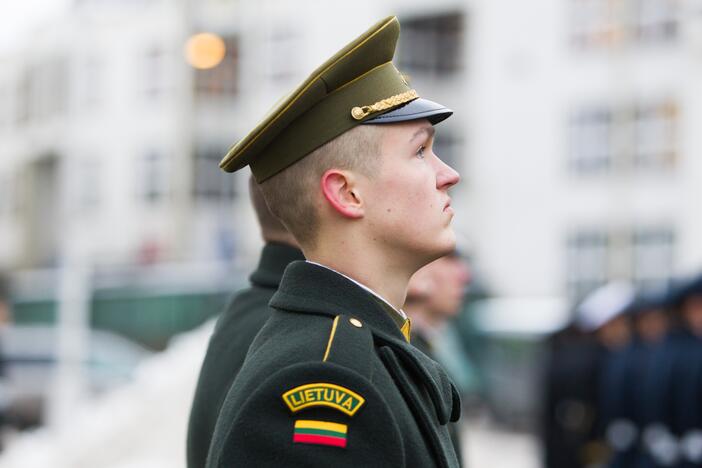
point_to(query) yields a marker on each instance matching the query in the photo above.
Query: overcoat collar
(274, 258)
(311, 288)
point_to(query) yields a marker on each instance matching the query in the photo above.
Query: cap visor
(413, 110)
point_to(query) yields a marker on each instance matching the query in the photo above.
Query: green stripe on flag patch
(320, 432)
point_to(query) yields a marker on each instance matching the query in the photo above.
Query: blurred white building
(584, 156)
(574, 130)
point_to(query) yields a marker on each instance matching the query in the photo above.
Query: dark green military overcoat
(233, 334)
(423, 343)
(330, 381)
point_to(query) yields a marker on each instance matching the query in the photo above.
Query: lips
(447, 206)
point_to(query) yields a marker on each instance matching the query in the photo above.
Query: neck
(387, 278)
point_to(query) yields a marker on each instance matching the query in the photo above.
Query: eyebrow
(429, 131)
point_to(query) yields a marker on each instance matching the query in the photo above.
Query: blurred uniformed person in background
(5, 318)
(346, 162)
(627, 414)
(434, 297)
(687, 375)
(237, 327)
(666, 399)
(569, 396)
(581, 361)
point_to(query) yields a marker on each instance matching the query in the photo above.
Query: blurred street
(489, 445)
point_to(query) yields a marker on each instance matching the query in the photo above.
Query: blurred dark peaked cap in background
(604, 305)
(358, 85)
(685, 289)
(650, 300)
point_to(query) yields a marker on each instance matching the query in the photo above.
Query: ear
(342, 194)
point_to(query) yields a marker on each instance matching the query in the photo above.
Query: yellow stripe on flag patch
(323, 425)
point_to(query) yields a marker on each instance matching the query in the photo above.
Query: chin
(437, 250)
(448, 244)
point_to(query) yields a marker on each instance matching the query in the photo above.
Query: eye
(420, 152)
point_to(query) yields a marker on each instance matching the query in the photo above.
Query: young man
(346, 162)
(237, 327)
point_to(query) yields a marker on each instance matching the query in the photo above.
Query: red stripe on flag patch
(319, 440)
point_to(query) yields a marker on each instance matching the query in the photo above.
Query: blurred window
(211, 183)
(152, 179)
(5, 107)
(91, 79)
(591, 140)
(432, 45)
(655, 20)
(606, 23)
(588, 257)
(594, 22)
(222, 80)
(43, 90)
(88, 185)
(22, 101)
(644, 254)
(7, 195)
(624, 137)
(655, 135)
(154, 69)
(652, 257)
(55, 81)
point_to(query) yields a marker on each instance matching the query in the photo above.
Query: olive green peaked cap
(357, 85)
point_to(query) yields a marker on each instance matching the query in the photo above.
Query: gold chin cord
(359, 113)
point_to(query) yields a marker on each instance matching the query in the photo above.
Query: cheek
(408, 196)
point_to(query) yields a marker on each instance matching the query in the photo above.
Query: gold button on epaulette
(356, 322)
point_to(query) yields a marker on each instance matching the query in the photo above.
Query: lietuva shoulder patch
(323, 394)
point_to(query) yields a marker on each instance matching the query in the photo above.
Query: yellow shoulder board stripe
(331, 338)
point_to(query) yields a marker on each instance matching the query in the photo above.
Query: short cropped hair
(271, 227)
(291, 193)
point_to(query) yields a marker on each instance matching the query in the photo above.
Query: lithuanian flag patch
(320, 433)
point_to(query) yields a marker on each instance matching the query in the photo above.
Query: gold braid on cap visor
(360, 113)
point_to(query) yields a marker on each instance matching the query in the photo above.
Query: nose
(446, 176)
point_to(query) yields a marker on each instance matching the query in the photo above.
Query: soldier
(578, 372)
(687, 376)
(570, 396)
(628, 418)
(5, 319)
(237, 327)
(668, 394)
(434, 297)
(346, 162)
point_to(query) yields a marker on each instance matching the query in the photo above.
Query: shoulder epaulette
(350, 345)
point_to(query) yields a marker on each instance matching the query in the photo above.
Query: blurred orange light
(204, 50)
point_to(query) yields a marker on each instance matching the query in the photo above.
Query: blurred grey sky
(18, 18)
